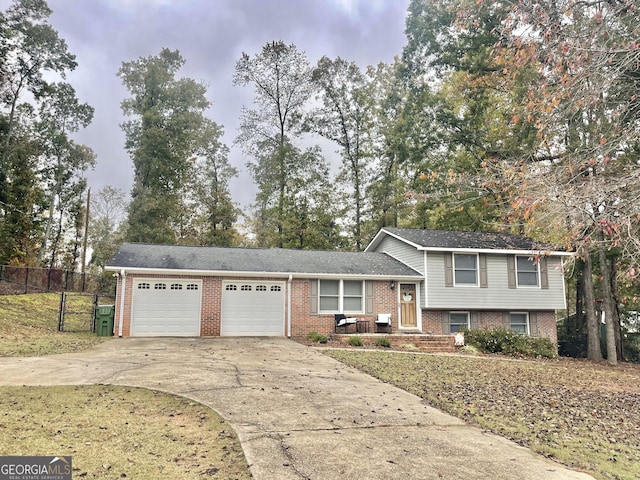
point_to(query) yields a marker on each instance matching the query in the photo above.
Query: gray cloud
(211, 35)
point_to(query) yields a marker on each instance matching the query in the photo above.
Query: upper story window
(341, 296)
(465, 268)
(527, 274)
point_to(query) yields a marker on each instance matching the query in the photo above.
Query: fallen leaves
(583, 414)
(120, 432)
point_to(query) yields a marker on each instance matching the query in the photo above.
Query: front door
(408, 305)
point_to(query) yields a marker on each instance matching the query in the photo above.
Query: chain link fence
(15, 280)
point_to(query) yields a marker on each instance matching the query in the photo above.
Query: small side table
(362, 326)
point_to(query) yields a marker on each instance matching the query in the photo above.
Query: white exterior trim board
(237, 273)
(497, 251)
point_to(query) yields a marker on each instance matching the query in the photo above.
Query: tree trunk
(607, 301)
(52, 205)
(616, 310)
(579, 323)
(593, 323)
(577, 327)
(10, 125)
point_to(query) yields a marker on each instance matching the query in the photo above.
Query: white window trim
(527, 326)
(477, 284)
(468, 314)
(536, 264)
(341, 296)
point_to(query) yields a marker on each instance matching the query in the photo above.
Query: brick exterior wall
(303, 321)
(547, 326)
(432, 322)
(211, 306)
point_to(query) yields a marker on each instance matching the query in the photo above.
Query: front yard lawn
(29, 325)
(582, 414)
(109, 431)
(120, 432)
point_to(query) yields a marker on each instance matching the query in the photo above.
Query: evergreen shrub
(317, 337)
(382, 342)
(506, 342)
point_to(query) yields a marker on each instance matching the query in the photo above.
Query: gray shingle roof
(473, 240)
(219, 259)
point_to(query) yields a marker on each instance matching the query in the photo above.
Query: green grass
(582, 414)
(29, 325)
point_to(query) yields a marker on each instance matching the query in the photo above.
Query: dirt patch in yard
(585, 415)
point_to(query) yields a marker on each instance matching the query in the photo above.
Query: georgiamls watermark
(35, 468)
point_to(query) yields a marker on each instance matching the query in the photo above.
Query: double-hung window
(338, 296)
(527, 274)
(458, 321)
(465, 268)
(519, 322)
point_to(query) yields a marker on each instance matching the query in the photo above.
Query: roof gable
(257, 261)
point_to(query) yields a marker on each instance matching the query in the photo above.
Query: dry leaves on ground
(120, 432)
(585, 415)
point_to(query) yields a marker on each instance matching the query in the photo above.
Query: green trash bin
(104, 320)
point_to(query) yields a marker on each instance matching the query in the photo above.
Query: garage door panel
(166, 307)
(252, 308)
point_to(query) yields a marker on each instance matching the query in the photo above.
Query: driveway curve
(298, 414)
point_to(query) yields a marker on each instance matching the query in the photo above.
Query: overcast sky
(210, 35)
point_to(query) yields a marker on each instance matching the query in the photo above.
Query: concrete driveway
(298, 413)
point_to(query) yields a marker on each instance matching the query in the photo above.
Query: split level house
(406, 281)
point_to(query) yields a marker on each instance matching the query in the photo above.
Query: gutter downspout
(123, 286)
(289, 282)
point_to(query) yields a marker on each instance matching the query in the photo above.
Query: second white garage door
(252, 308)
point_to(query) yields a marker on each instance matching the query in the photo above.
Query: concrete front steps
(416, 342)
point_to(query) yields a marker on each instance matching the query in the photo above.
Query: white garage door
(166, 307)
(252, 308)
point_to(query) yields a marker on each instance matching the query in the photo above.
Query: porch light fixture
(392, 285)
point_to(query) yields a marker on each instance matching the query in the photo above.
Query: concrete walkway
(298, 413)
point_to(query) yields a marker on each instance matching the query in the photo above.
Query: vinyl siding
(406, 254)
(402, 252)
(497, 295)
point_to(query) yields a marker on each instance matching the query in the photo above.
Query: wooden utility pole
(86, 233)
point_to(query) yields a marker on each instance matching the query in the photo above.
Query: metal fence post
(93, 313)
(61, 311)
